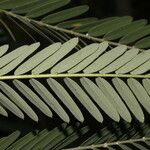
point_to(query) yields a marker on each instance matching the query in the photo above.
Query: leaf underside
(63, 58)
(84, 48)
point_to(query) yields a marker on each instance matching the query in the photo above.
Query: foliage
(56, 90)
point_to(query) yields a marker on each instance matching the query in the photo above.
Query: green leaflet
(105, 59)
(118, 33)
(109, 26)
(135, 62)
(77, 22)
(58, 55)
(140, 93)
(52, 135)
(46, 8)
(103, 135)
(17, 99)
(37, 59)
(114, 98)
(136, 35)
(38, 137)
(129, 98)
(2, 139)
(9, 140)
(121, 61)
(65, 98)
(101, 99)
(21, 142)
(31, 5)
(98, 137)
(8, 4)
(140, 146)
(105, 138)
(142, 69)
(88, 60)
(3, 1)
(3, 49)
(70, 139)
(10, 106)
(33, 98)
(40, 144)
(84, 99)
(60, 136)
(35, 140)
(143, 43)
(9, 67)
(74, 59)
(49, 99)
(3, 111)
(124, 147)
(66, 137)
(65, 14)
(91, 139)
(87, 27)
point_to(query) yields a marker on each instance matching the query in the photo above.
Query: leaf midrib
(30, 76)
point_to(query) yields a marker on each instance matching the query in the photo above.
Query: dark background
(139, 9)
